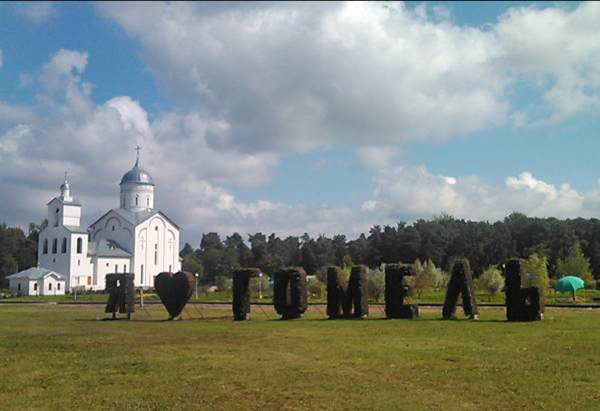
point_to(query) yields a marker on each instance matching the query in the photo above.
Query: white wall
(58, 261)
(80, 265)
(144, 194)
(113, 227)
(49, 286)
(13, 284)
(160, 233)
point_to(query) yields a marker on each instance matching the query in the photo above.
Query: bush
(376, 284)
(223, 283)
(316, 288)
(491, 280)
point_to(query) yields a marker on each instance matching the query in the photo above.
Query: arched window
(142, 270)
(56, 218)
(113, 228)
(137, 197)
(63, 248)
(79, 245)
(155, 254)
(124, 268)
(169, 267)
(45, 246)
(116, 268)
(148, 201)
(54, 246)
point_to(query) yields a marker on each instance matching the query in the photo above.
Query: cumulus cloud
(411, 192)
(292, 77)
(36, 11)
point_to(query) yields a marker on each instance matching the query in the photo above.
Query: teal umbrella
(569, 283)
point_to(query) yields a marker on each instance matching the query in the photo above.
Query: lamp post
(196, 275)
(260, 285)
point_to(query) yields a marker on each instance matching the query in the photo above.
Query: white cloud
(292, 77)
(36, 11)
(410, 192)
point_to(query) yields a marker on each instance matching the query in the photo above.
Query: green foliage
(427, 276)
(376, 284)
(576, 264)
(491, 280)
(316, 288)
(223, 283)
(535, 269)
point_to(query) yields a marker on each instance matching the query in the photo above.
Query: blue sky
(289, 117)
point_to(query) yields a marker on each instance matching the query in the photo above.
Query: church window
(148, 201)
(142, 276)
(63, 248)
(124, 268)
(137, 197)
(58, 286)
(45, 246)
(79, 245)
(113, 228)
(56, 218)
(116, 268)
(54, 246)
(156, 228)
(35, 287)
(19, 286)
(169, 267)
(155, 254)
(49, 286)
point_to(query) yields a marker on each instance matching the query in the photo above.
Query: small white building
(37, 281)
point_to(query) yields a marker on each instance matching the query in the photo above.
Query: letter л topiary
(461, 282)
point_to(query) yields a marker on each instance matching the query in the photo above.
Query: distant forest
(438, 239)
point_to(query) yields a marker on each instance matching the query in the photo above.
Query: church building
(134, 238)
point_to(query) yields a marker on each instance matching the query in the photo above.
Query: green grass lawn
(433, 296)
(63, 357)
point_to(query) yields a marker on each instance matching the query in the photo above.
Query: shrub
(376, 284)
(315, 287)
(491, 280)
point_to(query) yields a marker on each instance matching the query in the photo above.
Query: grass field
(64, 357)
(433, 296)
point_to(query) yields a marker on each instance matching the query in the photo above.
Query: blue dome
(137, 175)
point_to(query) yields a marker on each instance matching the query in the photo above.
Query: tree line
(437, 240)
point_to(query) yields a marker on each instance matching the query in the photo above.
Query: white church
(134, 238)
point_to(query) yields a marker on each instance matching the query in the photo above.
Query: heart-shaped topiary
(174, 290)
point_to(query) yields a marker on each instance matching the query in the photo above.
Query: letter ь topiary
(290, 296)
(395, 292)
(241, 292)
(461, 282)
(336, 292)
(358, 293)
(522, 304)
